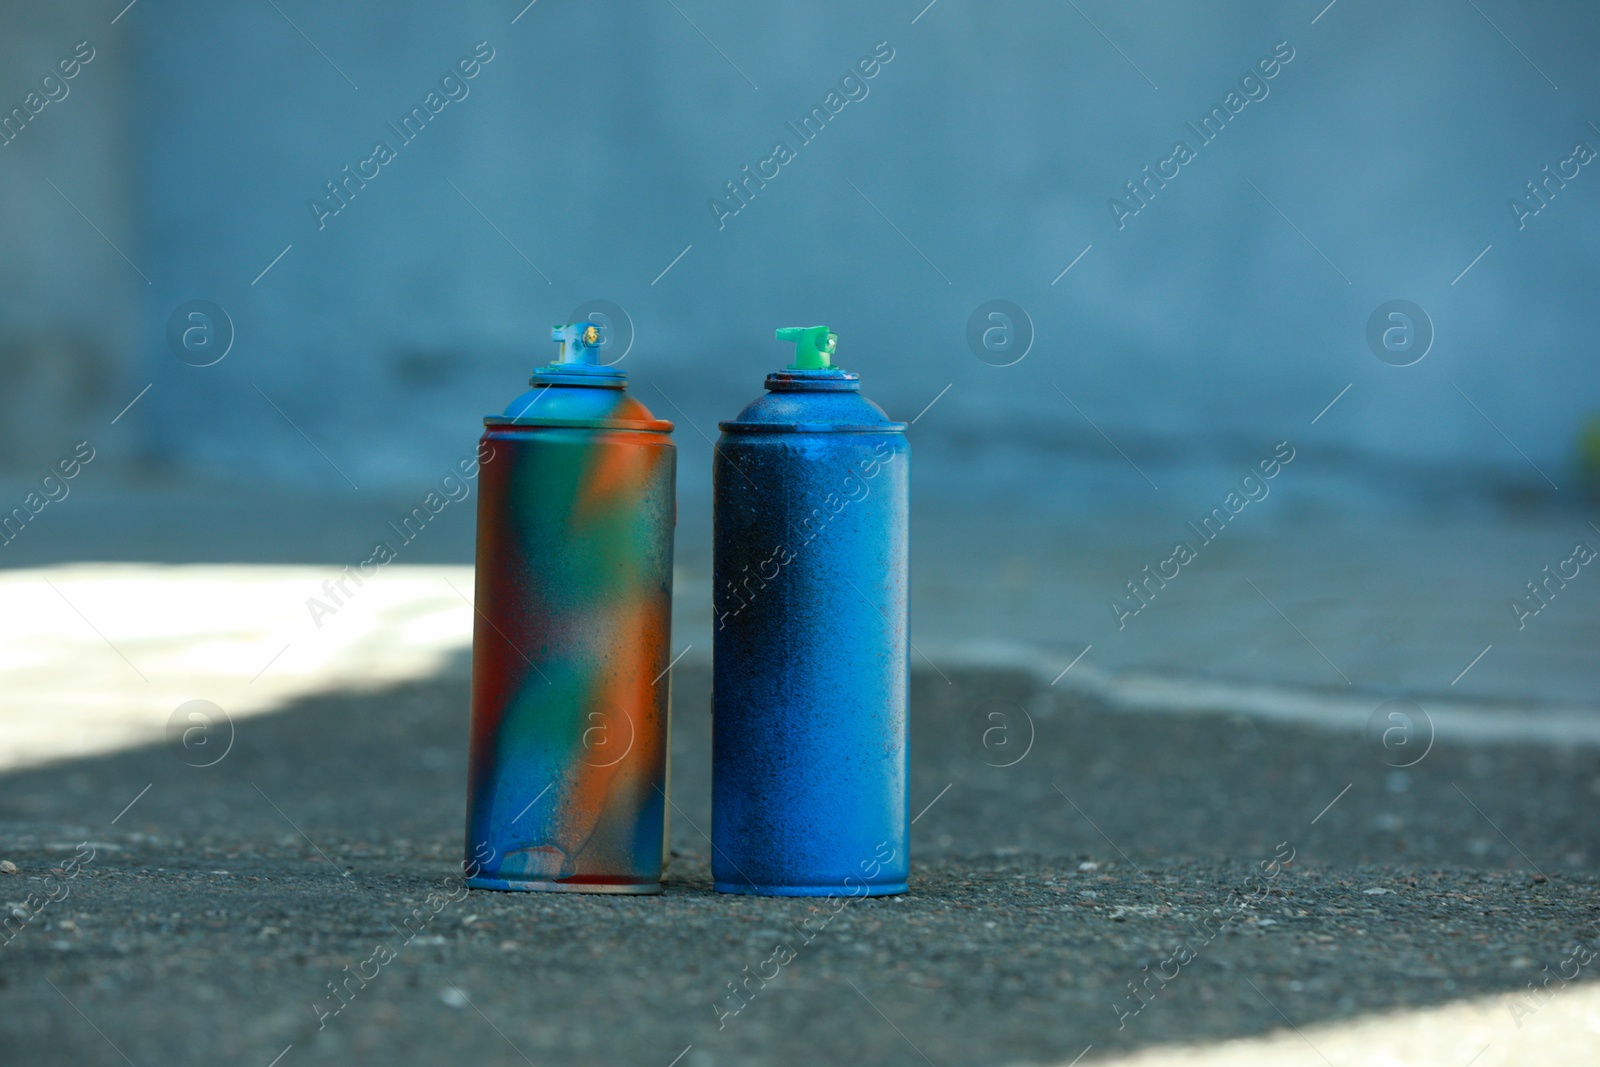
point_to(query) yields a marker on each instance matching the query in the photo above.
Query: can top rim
(825, 380)
(580, 375)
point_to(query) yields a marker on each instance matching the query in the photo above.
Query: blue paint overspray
(810, 732)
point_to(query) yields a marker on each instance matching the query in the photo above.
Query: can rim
(733, 426)
(661, 426)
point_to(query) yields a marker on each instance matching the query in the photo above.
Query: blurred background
(976, 164)
(265, 266)
(276, 335)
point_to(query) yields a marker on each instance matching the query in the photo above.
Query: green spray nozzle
(579, 341)
(813, 346)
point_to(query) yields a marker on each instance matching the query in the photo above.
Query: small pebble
(7, 867)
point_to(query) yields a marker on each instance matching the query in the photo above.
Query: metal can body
(570, 705)
(810, 726)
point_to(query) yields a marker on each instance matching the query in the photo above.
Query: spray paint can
(570, 708)
(809, 735)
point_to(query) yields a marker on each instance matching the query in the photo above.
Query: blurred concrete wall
(69, 301)
(581, 162)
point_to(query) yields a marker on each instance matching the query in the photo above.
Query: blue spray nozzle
(579, 341)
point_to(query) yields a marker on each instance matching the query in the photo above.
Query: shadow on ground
(218, 909)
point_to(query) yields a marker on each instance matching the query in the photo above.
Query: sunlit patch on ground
(1511, 1030)
(96, 657)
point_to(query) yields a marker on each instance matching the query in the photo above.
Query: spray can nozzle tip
(579, 341)
(813, 346)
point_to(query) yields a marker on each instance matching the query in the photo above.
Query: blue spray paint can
(809, 732)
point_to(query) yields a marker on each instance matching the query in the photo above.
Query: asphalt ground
(219, 903)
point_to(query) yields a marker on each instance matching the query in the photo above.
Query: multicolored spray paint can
(568, 762)
(809, 725)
